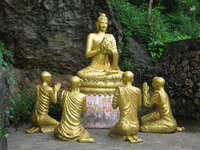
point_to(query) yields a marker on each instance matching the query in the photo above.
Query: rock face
(51, 34)
(141, 62)
(181, 69)
(3, 104)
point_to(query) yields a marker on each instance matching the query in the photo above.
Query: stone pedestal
(100, 113)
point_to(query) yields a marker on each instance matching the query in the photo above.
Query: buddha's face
(127, 77)
(102, 25)
(46, 77)
(75, 82)
(49, 79)
(154, 84)
(158, 82)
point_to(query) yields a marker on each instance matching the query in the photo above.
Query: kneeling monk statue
(73, 103)
(44, 95)
(128, 99)
(162, 119)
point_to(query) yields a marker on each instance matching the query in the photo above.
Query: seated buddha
(102, 50)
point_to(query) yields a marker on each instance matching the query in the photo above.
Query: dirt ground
(188, 140)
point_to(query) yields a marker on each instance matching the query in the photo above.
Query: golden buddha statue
(128, 99)
(73, 103)
(102, 50)
(162, 119)
(44, 95)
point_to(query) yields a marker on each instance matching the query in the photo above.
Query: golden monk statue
(73, 103)
(128, 99)
(162, 119)
(44, 95)
(102, 50)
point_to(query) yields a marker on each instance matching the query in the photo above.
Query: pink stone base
(100, 113)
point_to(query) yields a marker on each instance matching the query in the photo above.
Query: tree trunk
(150, 9)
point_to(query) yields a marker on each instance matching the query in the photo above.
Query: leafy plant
(21, 107)
(179, 24)
(6, 55)
(3, 131)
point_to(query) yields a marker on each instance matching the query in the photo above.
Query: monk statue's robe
(70, 128)
(162, 119)
(40, 118)
(128, 99)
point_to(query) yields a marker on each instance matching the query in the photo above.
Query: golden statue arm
(62, 98)
(89, 51)
(54, 92)
(152, 100)
(149, 101)
(146, 94)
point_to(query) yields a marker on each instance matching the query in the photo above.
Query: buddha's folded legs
(134, 139)
(123, 129)
(160, 126)
(86, 73)
(32, 130)
(47, 123)
(150, 117)
(85, 136)
(125, 133)
(43, 123)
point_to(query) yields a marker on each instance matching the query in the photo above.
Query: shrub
(6, 55)
(21, 107)
(181, 23)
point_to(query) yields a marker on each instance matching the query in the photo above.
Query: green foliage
(6, 55)
(183, 25)
(3, 131)
(179, 24)
(21, 107)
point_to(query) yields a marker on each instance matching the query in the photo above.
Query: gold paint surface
(73, 103)
(162, 119)
(44, 95)
(128, 99)
(103, 70)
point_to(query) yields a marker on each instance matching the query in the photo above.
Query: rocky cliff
(51, 34)
(181, 68)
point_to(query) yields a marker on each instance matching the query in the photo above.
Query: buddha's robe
(162, 119)
(103, 62)
(128, 99)
(40, 115)
(70, 128)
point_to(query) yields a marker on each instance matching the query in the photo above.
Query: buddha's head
(158, 82)
(102, 23)
(45, 77)
(127, 77)
(75, 82)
